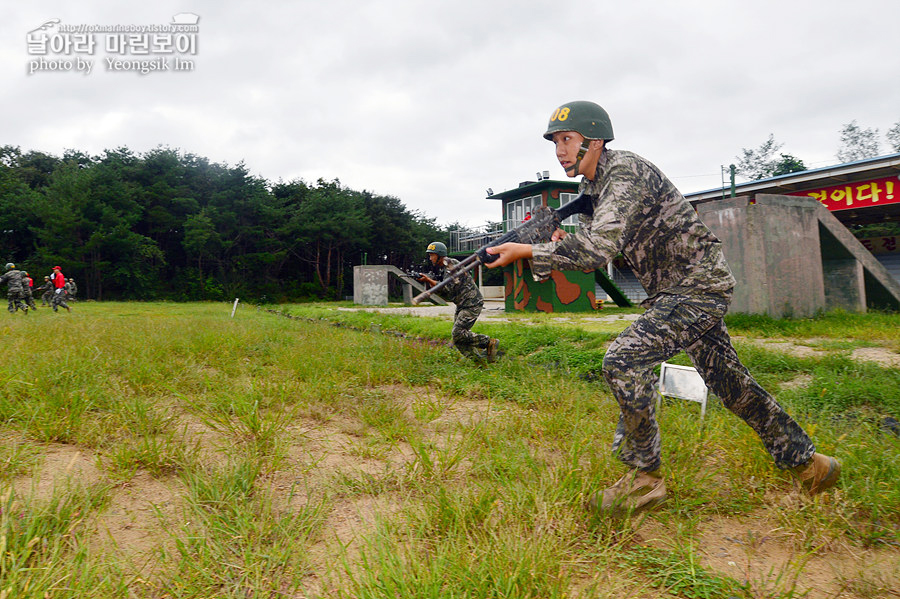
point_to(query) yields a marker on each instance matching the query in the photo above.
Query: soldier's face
(568, 145)
(433, 257)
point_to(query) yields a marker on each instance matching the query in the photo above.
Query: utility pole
(733, 170)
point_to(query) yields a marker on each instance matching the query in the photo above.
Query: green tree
(201, 242)
(126, 261)
(761, 162)
(857, 143)
(86, 223)
(36, 168)
(893, 136)
(244, 213)
(332, 225)
(156, 224)
(788, 164)
(17, 214)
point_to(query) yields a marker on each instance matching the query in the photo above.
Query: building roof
(532, 187)
(870, 168)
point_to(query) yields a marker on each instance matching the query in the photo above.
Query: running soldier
(15, 288)
(47, 289)
(29, 295)
(465, 294)
(639, 213)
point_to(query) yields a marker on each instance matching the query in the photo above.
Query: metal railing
(471, 239)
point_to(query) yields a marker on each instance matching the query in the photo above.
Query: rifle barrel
(460, 269)
(583, 204)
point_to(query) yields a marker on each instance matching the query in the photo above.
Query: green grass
(836, 325)
(352, 454)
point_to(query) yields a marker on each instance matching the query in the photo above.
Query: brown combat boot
(492, 350)
(634, 493)
(821, 472)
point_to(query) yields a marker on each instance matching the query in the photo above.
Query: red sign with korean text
(861, 194)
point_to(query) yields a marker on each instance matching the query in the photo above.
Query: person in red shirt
(59, 290)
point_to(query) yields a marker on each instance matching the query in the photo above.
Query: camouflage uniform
(71, 289)
(47, 288)
(58, 300)
(29, 296)
(15, 290)
(464, 293)
(640, 214)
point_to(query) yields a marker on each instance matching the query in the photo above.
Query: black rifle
(538, 229)
(423, 270)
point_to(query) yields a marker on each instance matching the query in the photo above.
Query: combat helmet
(436, 247)
(586, 118)
(10, 266)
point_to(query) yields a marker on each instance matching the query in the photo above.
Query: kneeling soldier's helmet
(436, 247)
(10, 266)
(586, 118)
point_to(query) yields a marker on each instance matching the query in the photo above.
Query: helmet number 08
(560, 114)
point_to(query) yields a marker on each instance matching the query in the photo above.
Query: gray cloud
(434, 102)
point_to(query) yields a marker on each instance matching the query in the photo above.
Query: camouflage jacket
(463, 292)
(15, 279)
(639, 213)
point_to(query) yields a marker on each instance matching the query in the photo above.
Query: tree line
(857, 143)
(172, 225)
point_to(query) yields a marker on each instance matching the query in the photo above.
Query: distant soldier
(29, 296)
(464, 293)
(59, 290)
(71, 289)
(47, 289)
(15, 291)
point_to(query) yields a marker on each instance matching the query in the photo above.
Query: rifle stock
(544, 221)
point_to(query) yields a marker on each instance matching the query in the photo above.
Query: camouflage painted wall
(566, 291)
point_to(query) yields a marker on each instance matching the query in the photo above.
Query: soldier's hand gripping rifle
(538, 229)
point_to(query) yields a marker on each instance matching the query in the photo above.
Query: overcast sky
(435, 101)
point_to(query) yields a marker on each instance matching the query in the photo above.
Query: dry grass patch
(59, 465)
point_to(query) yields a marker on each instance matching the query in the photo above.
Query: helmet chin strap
(581, 152)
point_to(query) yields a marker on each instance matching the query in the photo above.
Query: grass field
(169, 450)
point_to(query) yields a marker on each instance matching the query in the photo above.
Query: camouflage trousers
(58, 299)
(695, 325)
(463, 338)
(17, 301)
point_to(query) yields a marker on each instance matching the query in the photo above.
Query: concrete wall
(844, 287)
(370, 285)
(792, 257)
(772, 247)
